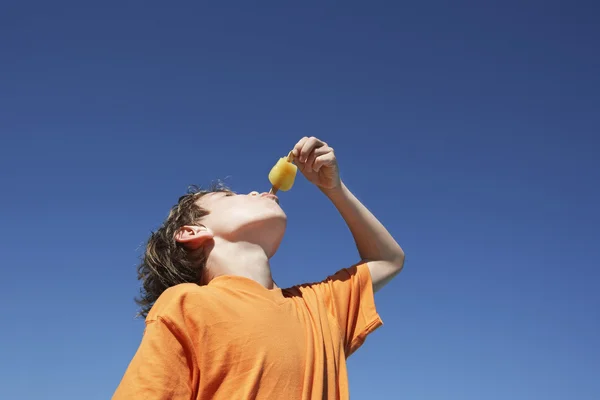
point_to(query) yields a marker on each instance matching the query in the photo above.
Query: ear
(193, 236)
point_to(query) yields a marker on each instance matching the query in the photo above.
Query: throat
(243, 259)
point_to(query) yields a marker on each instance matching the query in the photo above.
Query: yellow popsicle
(283, 174)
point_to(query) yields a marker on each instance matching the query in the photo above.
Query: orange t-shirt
(235, 339)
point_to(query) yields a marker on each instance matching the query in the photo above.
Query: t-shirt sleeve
(162, 366)
(349, 297)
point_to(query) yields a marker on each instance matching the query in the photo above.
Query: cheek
(227, 219)
(234, 216)
(254, 213)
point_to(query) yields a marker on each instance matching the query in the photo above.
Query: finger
(319, 151)
(324, 160)
(308, 147)
(298, 147)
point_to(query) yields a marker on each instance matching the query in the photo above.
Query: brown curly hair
(166, 262)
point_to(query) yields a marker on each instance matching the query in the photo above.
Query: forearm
(372, 239)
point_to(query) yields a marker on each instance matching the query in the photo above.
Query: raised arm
(376, 246)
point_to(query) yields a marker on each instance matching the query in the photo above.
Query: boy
(217, 326)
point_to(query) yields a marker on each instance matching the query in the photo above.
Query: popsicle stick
(273, 190)
(290, 156)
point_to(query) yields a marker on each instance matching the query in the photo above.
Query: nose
(254, 193)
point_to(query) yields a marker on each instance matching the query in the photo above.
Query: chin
(266, 229)
(274, 236)
(269, 232)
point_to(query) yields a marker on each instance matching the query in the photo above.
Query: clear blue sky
(470, 130)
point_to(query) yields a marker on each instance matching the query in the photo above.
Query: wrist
(335, 191)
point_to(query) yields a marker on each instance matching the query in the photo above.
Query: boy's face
(249, 217)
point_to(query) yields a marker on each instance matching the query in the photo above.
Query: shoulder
(354, 275)
(342, 276)
(359, 270)
(177, 302)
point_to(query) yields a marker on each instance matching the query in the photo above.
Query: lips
(271, 196)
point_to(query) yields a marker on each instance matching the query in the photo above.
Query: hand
(317, 162)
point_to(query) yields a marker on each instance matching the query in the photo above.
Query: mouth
(272, 197)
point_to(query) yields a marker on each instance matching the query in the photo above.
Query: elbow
(397, 260)
(400, 261)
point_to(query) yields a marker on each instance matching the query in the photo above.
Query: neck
(238, 258)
